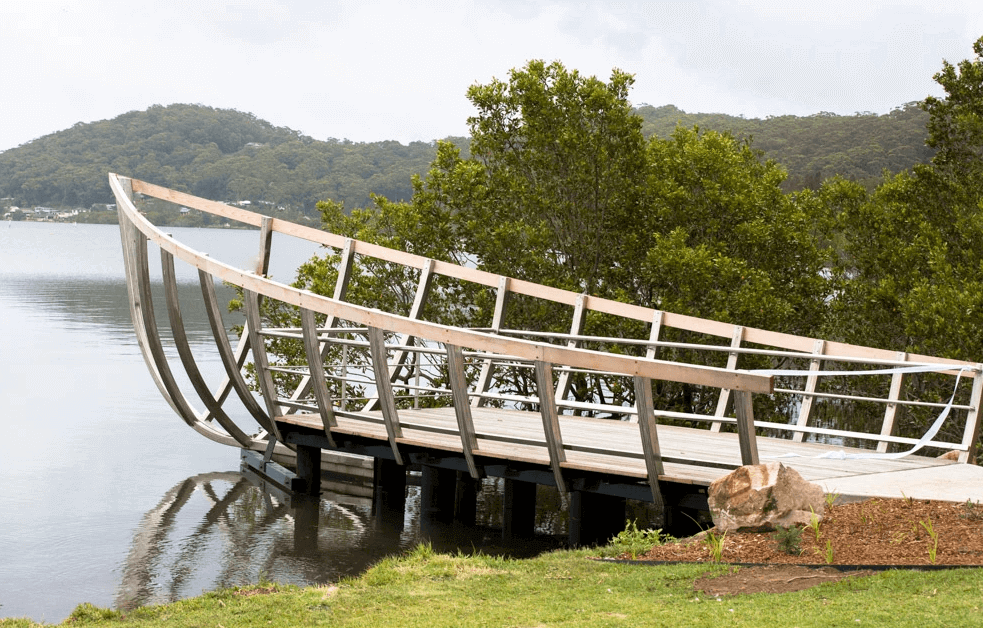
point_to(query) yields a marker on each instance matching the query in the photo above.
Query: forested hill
(230, 155)
(215, 153)
(812, 148)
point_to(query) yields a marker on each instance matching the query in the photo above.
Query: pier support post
(309, 468)
(307, 517)
(438, 490)
(389, 492)
(466, 500)
(594, 518)
(518, 509)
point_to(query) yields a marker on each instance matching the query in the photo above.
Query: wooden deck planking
(621, 436)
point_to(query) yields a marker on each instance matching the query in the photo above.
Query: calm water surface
(105, 495)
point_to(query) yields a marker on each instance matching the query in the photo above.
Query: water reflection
(103, 303)
(224, 529)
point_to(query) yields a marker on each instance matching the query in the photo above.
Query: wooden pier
(408, 391)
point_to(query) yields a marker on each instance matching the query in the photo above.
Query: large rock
(763, 497)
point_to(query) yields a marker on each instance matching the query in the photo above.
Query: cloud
(396, 70)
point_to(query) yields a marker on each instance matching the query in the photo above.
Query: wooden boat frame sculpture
(638, 452)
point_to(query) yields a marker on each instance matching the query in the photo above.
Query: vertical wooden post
(971, 434)
(891, 411)
(745, 427)
(498, 319)
(518, 509)
(594, 518)
(265, 246)
(462, 408)
(652, 351)
(438, 490)
(731, 365)
(466, 499)
(419, 300)
(551, 422)
(340, 288)
(649, 436)
(319, 382)
(811, 382)
(576, 328)
(260, 360)
(389, 492)
(380, 367)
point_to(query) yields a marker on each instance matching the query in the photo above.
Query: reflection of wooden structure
(468, 425)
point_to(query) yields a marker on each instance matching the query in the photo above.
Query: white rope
(924, 440)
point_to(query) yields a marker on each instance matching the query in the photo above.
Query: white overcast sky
(369, 71)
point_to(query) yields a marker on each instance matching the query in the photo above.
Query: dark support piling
(307, 515)
(309, 468)
(438, 490)
(389, 492)
(594, 518)
(518, 509)
(466, 500)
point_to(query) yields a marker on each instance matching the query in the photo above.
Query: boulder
(762, 497)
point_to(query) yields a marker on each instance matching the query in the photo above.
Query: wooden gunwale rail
(637, 447)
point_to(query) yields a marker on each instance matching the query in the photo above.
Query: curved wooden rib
(498, 319)
(459, 391)
(419, 300)
(551, 422)
(380, 367)
(266, 385)
(341, 287)
(232, 361)
(142, 308)
(213, 405)
(649, 435)
(491, 346)
(317, 377)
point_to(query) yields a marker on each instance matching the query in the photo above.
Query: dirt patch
(899, 532)
(257, 590)
(770, 579)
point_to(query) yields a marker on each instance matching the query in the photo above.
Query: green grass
(566, 588)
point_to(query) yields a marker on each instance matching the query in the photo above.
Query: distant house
(185, 210)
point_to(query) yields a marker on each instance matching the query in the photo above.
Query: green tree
(561, 189)
(914, 251)
(909, 277)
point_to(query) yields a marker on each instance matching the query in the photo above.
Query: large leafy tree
(561, 188)
(910, 275)
(914, 250)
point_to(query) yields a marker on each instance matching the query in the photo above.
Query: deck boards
(917, 476)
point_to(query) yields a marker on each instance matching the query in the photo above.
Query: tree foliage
(817, 147)
(562, 189)
(914, 249)
(214, 153)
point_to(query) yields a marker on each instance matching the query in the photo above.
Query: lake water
(105, 495)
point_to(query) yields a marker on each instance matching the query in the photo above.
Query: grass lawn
(565, 588)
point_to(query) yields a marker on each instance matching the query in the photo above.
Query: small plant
(716, 545)
(814, 522)
(972, 511)
(907, 500)
(633, 542)
(933, 546)
(789, 539)
(829, 552)
(831, 499)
